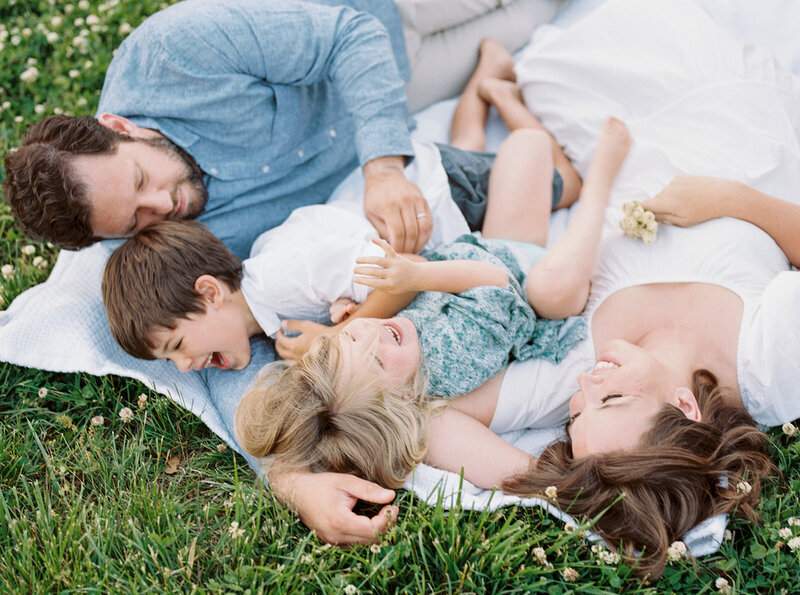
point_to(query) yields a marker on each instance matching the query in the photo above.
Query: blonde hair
(321, 413)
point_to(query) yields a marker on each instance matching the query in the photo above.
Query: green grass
(86, 508)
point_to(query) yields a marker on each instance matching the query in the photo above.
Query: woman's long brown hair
(683, 472)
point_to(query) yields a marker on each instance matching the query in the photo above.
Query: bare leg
(506, 97)
(467, 129)
(521, 189)
(558, 284)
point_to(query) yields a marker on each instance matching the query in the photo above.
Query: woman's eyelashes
(603, 400)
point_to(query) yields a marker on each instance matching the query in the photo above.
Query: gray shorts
(468, 174)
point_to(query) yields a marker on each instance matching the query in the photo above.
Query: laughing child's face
(393, 341)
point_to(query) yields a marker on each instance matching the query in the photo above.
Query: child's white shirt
(296, 270)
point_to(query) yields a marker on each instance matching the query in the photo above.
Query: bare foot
(495, 61)
(612, 149)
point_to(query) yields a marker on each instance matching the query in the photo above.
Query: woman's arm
(460, 441)
(688, 200)
(399, 273)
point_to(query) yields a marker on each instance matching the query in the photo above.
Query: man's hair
(40, 185)
(320, 414)
(149, 281)
(682, 473)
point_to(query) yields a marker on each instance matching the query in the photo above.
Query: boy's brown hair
(149, 281)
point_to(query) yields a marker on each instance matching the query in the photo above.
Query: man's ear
(211, 290)
(685, 400)
(117, 123)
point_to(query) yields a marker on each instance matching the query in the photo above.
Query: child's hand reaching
(392, 273)
(341, 309)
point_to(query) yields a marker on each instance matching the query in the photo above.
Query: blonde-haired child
(358, 401)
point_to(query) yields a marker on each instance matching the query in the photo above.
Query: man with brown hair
(246, 111)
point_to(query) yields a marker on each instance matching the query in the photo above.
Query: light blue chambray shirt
(277, 100)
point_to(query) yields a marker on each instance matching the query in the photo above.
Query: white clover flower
(6, 104)
(30, 62)
(785, 533)
(30, 249)
(569, 574)
(7, 270)
(80, 42)
(73, 74)
(92, 20)
(56, 21)
(790, 429)
(744, 488)
(42, 264)
(42, 392)
(540, 555)
(83, 4)
(794, 543)
(52, 37)
(722, 585)
(82, 102)
(568, 528)
(551, 492)
(3, 34)
(37, 260)
(375, 548)
(18, 119)
(597, 548)
(350, 589)
(83, 33)
(26, 32)
(29, 75)
(141, 402)
(16, 40)
(78, 22)
(676, 551)
(793, 521)
(638, 223)
(125, 28)
(235, 531)
(611, 558)
(69, 9)
(126, 414)
(88, 64)
(98, 420)
(222, 447)
(38, 109)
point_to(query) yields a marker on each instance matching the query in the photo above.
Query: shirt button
(265, 169)
(332, 132)
(300, 154)
(213, 171)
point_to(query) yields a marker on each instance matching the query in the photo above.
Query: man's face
(146, 181)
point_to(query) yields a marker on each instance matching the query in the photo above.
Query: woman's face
(618, 399)
(395, 344)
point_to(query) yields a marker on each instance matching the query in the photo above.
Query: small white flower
(98, 420)
(597, 548)
(31, 62)
(790, 429)
(126, 414)
(638, 223)
(568, 528)
(88, 64)
(722, 585)
(29, 249)
(52, 37)
(7, 270)
(80, 42)
(92, 20)
(83, 4)
(37, 260)
(26, 32)
(785, 533)
(222, 447)
(794, 543)
(141, 402)
(551, 492)
(78, 22)
(350, 589)
(728, 535)
(56, 21)
(69, 9)
(569, 574)
(124, 29)
(41, 265)
(793, 521)
(610, 558)
(305, 559)
(235, 531)
(16, 40)
(6, 104)
(42, 392)
(81, 102)
(744, 488)
(29, 75)
(2, 301)
(676, 551)
(38, 109)
(540, 555)
(17, 119)
(375, 548)
(74, 73)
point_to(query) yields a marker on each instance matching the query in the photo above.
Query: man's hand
(295, 347)
(395, 206)
(392, 273)
(325, 501)
(688, 200)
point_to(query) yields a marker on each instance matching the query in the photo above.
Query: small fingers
(370, 271)
(370, 282)
(374, 260)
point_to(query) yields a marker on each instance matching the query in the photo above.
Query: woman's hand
(295, 346)
(392, 273)
(325, 501)
(688, 200)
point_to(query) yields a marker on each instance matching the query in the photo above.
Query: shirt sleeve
(288, 43)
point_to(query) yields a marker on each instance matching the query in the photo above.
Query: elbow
(553, 294)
